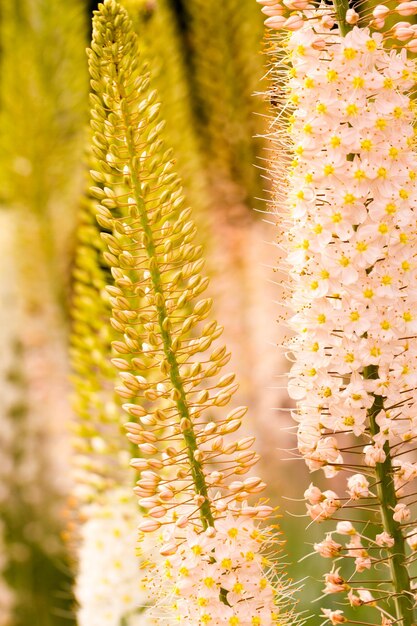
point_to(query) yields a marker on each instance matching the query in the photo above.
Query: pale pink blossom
(345, 528)
(328, 548)
(384, 540)
(334, 582)
(358, 486)
(401, 513)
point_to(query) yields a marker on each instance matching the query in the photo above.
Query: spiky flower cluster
(352, 259)
(191, 482)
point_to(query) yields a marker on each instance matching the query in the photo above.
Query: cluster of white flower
(108, 587)
(353, 193)
(217, 576)
(352, 247)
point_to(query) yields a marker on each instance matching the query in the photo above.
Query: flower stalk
(341, 9)
(387, 498)
(351, 252)
(190, 465)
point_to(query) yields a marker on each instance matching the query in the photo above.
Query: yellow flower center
(390, 208)
(381, 123)
(351, 109)
(366, 144)
(349, 53)
(349, 198)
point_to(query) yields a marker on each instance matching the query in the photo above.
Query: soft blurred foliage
(206, 61)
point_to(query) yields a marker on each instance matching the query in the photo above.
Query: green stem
(387, 501)
(188, 433)
(341, 6)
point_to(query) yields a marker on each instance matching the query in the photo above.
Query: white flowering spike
(108, 587)
(351, 247)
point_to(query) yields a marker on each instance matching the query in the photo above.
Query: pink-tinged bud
(168, 549)
(182, 521)
(236, 486)
(296, 5)
(402, 34)
(220, 506)
(378, 23)
(166, 494)
(319, 44)
(412, 45)
(141, 492)
(252, 482)
(157, 511)
(245, 443)
(327, 21)
(199, 500)
(276, 9)
(148, 503)
(263, 511)
(139, 463)
(403, 31)
(136, 439)
(248, 511)
(147, 448)
(149, 526)
(380, 11)
(258, 488)
(294, 22)
(407, 8)
(267, 2)
(352, 17)
(134, 409)
(277, 21)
